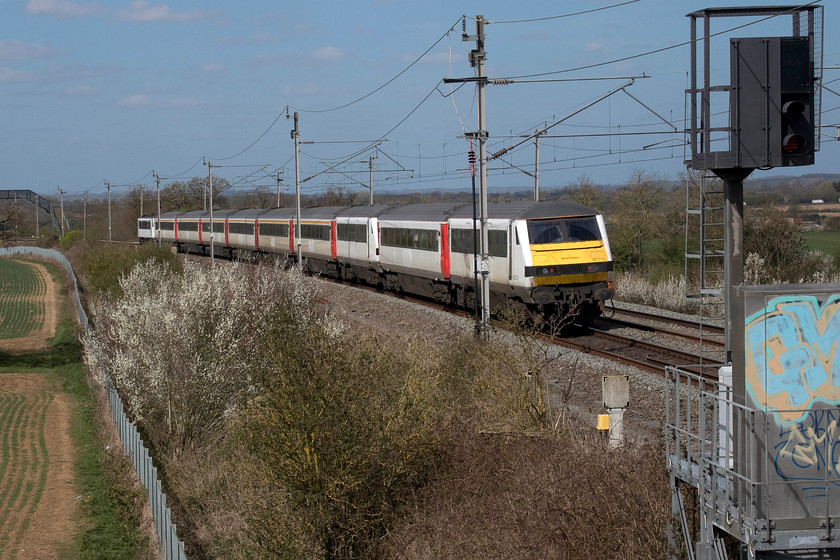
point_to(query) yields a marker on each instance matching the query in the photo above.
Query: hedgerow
(284, 433)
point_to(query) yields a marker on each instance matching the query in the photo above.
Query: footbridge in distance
(34, 198)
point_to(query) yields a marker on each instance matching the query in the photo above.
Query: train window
(145, 224)
(423, 239)
(274, 230)
(242, 228)
(497, 243)
(563, 230)
(463, 240)
(315, 231)
(583, 229)
(167, 226)
(218, 226)
(351, 232)
(187, 226)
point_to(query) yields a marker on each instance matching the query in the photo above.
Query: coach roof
(434, 212)
(528, 210)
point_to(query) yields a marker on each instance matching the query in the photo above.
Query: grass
(827, 242)
(111, 505)
(20, 314)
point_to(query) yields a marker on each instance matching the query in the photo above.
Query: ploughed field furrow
(24, 463)
(21, 298)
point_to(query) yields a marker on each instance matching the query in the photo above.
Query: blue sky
(110, 90)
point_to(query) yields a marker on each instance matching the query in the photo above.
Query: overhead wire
(531, 20)
(372, 92)
(387, 83)
(448, 32)
(383, 136)
(654, 51)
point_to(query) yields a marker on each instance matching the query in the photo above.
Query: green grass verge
(827, 242)
(111, 508)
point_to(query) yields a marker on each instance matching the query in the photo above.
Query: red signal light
(793, 143)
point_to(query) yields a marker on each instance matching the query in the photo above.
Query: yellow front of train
(569, 262)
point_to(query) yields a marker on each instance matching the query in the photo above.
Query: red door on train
(444, 250)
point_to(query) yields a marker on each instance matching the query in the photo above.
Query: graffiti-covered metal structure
(762, 448)
(753, 449)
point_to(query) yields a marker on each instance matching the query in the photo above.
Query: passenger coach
(550, 257)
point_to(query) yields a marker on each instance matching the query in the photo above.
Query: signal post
(727, 444)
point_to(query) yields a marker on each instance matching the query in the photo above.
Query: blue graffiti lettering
(790, 347)
(810, 450)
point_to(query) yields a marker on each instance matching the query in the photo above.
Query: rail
(172, 547)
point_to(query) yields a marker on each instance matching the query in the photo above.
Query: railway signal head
(796, 111)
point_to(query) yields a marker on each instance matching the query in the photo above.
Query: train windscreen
(563, 230)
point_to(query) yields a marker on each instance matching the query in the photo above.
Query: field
(36, 493)
(21, 299)
(62, 495)
(827, 242)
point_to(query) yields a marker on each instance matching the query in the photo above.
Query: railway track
(627, 349)
(632, 351)
(704, 334)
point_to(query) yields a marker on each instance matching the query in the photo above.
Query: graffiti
(810, 450)
(790, 350)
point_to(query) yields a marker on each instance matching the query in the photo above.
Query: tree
(191, 195)
(636, 217)
(780, 248)
(11, 219)
(587, 193)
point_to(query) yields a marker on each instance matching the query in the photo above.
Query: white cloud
(328, 53)
(63, 9)
(9, 75)
(18, 50)
(143, 12)
(80, 90)
(138, 100)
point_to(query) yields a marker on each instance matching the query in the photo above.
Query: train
(549, 258)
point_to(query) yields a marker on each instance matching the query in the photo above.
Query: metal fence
(133, 446)
(171, 546)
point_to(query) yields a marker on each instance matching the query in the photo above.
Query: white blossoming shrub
(182, 350)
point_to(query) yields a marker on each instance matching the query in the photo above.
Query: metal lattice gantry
(33, 197)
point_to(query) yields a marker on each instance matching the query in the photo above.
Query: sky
(114, 90)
